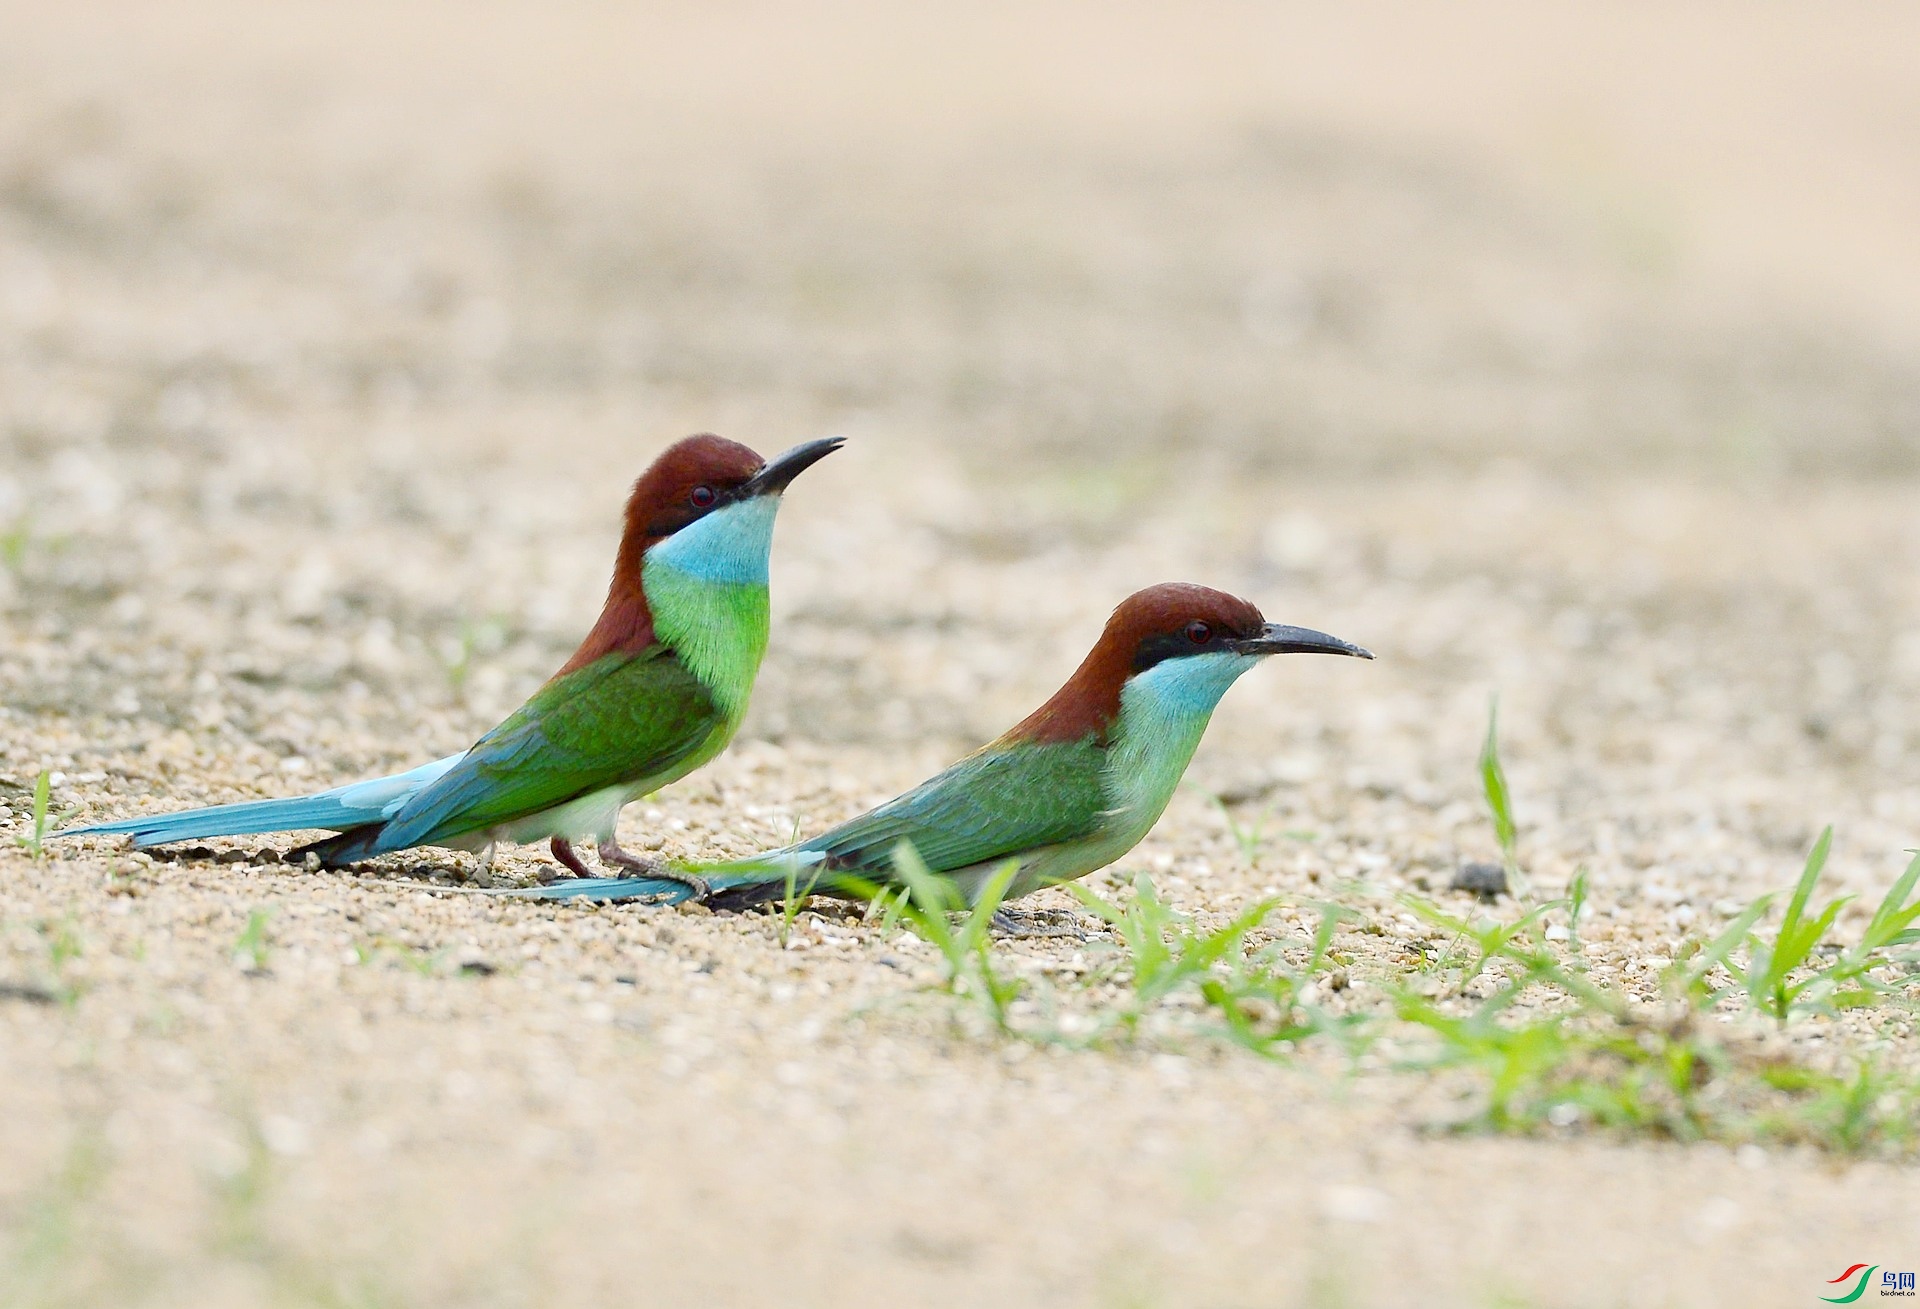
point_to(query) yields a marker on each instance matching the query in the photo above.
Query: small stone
(232, 857)
(1487, 881)
(27, 993)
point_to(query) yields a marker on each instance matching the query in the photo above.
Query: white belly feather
(592, 815)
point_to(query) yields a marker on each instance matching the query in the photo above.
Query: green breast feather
(718, 628)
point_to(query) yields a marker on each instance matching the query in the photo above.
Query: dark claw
(1036, 925)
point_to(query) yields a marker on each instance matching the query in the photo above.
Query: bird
(1069, 789)
(657, 689)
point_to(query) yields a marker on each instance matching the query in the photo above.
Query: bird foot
(644, 866)
(1036, 924)
(563, 851)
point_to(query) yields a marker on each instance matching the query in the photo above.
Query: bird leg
(1032, 924)
(563, 851)
(641, 865)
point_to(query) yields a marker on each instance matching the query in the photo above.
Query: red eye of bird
(702, 497)
(1199, 633)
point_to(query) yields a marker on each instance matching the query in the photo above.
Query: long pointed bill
(1278, 638)
(779, 471)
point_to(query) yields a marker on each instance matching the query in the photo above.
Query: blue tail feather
(343, 807)
(735, 874)
(659, 890)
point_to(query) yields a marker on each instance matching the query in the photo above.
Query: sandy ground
(1573, 365)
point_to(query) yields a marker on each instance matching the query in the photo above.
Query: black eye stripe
(687, 507)
(1162, 646)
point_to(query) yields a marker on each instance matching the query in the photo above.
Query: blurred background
(1566, 350)
(1380, 239)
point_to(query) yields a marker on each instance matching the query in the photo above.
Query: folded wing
(620, 720)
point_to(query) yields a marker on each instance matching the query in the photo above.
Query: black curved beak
(778, 472)
(1278, 638)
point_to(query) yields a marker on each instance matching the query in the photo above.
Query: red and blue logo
(1858, 1276)
(1860, 1271)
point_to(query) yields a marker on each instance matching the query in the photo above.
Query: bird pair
(660, 685)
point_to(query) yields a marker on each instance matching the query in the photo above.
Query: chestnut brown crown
(1158, 623)
(690, 478)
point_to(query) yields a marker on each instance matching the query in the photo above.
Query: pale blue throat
(731, 544)
(1163, 714)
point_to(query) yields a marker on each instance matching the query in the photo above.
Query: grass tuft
(15, 540)
(1493, 783)
(1251, 838)
(1258, 999)
(1682, 1069)
(61, 938)
(929, 908)
(251, 950)
(414, 958)
(794, 897)
(42, 820)
(19, 540)
(1782, 977)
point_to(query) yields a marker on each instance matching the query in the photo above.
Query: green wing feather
(623, 718)
(1002, 801)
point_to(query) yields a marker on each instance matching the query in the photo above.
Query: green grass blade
(36, 836)
(1493, 781)
(930, 900)
(976, 928)
(1577, 891)
(1720, 949)
(1104, 909)
(1894, 913)
(1816, 862)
